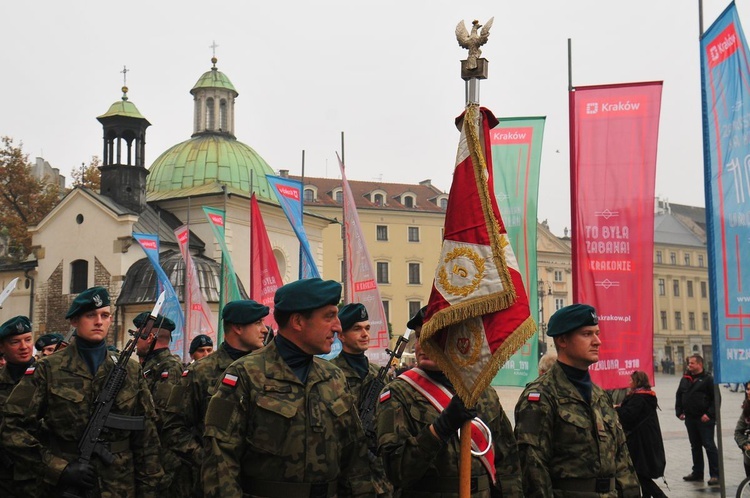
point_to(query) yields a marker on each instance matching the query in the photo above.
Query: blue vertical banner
(171, 307)
(289, 194)
(725, 77)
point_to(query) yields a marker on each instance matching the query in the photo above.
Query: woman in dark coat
(742, 430)
(641, 424)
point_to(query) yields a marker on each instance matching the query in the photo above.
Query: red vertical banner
(614, 133)
(266, 277)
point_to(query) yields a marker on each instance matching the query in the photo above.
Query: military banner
(614, 132)
(264, 271)
(171, 307)
(198, 316)
(360, 276)
(726, 106)
(478, 312)
(289, 194)
(230, 288)
(516, 158)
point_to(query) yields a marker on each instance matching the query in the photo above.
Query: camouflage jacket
(20, 483)
(7, 383)
(58, 395)
(186, 408)
(412, 454)
(162, 371)
(560, 437)
(264, 426)
(359, 388)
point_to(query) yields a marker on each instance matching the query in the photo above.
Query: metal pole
(302, 212)
(345, 258)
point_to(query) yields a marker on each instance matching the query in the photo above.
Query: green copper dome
(214, 79)
(123, 107)
(209, 159)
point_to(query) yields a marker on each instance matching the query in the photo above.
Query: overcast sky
(386, 73)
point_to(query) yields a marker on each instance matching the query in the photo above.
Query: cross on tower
(213, 47)
(124, 72)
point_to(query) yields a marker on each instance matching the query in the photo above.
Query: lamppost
(543, 290)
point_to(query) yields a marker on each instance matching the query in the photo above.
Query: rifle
(91, 444)
(370, 399)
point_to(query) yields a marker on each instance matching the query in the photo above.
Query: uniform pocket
(271, 423)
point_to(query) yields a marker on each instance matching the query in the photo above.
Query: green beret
(570, 318)
(90, 299)
(307, 294)
(417, 319)
(242, 312)
(48, 340)
(200, 341)
(161, 322)
(15, 326)
(351, 314)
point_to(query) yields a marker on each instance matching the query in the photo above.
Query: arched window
(408, 201)
(79, 276)
(309, 195)
(223, 115)
(378, 199)
(210, 116)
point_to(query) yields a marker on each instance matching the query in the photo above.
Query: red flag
(264, 269)
(478, 313)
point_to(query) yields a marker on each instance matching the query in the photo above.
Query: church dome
(208, 159)
(214, 79)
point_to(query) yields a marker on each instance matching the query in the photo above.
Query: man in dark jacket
(695, 405)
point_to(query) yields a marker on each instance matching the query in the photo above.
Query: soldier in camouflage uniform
(53, 402)
(244, 332)
(569, 438)
(200, 347)
(162, 370)
(48, 344)
(420, 446)
(15, 344)
(360, 373)
(282, 422)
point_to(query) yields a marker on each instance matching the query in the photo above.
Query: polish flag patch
(534, 397)
(30, 371)
(165, 374)
(385, 396)
(229, 380)
(184, 373)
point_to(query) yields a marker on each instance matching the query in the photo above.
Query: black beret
(48, 340)
(351, 314)
(242, 312)
(570, 318)
(161, 322)
(417, 319)
(307, 294)
(90, 299)
(200, 341)
(15, 326)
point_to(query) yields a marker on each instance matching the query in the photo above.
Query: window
(408, 201)
(704, 319)
(387, 310)
(700, 261)
(658, 257)
(676, 288)
(339, 195)
(413, 234)
(689, 289)
(414, 271)
(559, 303)
(662, 287)
(443, 203)
(378, 199)
(209, 114)
(223, 115)
(678, 320)
(691, 320)
(79, 276)
(663, 316)
(381, 232)
(382, 277)
(309, 195)
(414, 307)
(704, 290)
(673, 258)
(687, 259)
(558, 276)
